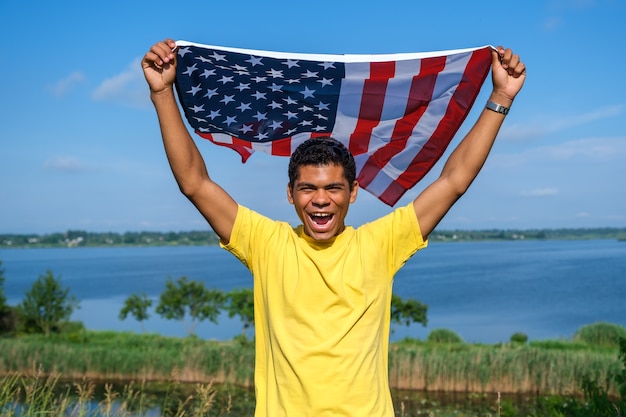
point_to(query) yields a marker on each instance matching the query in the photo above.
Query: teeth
(321, 214)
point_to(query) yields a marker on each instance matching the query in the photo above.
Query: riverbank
(83, 238)
(546, 368)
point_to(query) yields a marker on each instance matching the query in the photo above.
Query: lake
(484, 291)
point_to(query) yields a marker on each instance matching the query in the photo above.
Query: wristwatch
(497, 108)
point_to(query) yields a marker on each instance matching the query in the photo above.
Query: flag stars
(225, 79)
(291, 63)
(243, 107)
(275, 87)
(210, 93)
(218, 57)
(245, 129)
(184, 51)
(243, 86)
(227, 99)
(258, 79)
(190, 70)
(260, 116)
(325, 81)
(261, 136)
(276, 125)
(275, 73)
(307, 92)
(290, 100)
(214, 113)
(327, 65)
(305, 108)
(194, 89)
(259, 96)
(254, 60)
(309, 74)
(197, 109)
(322, 106)
(275, 105)
(230, 120)
(207, 73)
(290, 115)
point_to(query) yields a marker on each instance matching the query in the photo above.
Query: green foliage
(240, 302)
(185, 297)
(136, 305)
(444, 336)
(3, 299)
(407, 311)
(47, 304)
(519, 338)
(600, 334)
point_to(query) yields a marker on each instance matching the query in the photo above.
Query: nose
(320, 199)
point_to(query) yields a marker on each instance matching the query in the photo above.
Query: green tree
(47, 304)
(408, 311)
(3, 299)
(191, 298)
(136, 305)
(240, 302)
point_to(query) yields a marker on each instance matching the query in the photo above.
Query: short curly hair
(322, 151)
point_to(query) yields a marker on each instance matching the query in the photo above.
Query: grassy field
(540, 367)
(108, 374)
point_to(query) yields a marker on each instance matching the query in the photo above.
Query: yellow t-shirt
(322, 312)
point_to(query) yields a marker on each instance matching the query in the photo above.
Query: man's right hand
(159, 66)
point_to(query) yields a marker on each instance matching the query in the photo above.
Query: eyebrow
(329, 185)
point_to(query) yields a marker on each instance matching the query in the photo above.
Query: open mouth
(321, 219)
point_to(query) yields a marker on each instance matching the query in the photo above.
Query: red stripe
(372, 101)
(420, 94)
(238, 145)
(281, 147)
(462, 100)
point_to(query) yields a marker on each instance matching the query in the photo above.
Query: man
(322, 291)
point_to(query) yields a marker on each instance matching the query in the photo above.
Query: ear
(354, 192)
(289, 194)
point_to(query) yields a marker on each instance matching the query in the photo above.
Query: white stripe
(349, 102)
(396, 99)
(445, 86)
(332, 57)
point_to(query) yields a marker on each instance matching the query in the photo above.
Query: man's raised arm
(188, 167)
(462, 167)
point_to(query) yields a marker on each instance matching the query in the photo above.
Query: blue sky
(80, 146)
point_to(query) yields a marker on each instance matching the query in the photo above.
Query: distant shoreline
(81, 238)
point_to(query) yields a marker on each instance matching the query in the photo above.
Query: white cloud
(65, 85)
(128, 87)
(63, 163)
(554, 124)
(540, 192)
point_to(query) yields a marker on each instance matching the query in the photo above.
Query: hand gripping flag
(396, 113)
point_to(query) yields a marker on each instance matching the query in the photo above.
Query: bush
(9, 320)
(519, 337)
(600, 334)
(444, 336)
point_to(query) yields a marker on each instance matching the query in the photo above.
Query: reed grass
(549, 368)
(504, 368)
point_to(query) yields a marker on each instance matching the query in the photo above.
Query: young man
(322, 291)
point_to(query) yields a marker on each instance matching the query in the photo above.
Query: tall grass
(47, 396)
(507, 368)
(126, 356)
(548, 368)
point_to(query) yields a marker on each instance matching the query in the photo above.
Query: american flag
(396, 113)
